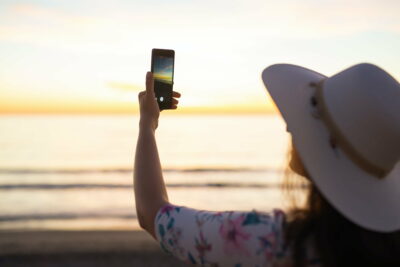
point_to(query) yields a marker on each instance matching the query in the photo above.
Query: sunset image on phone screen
(163, 69)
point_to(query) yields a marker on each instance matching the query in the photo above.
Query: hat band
(341, 139)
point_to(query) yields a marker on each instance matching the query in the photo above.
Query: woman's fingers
(149, 83)
(141, 94)
(176, 94)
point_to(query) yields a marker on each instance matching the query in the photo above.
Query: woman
(346, 143)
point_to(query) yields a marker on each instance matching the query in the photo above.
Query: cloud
(48, 26)
(193, 20)
(49, 14)
(126, 87)
(167, 68)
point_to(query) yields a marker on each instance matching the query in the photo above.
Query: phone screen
(163, 69)
(163, 73)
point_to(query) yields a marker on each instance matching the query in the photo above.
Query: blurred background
(70, 72)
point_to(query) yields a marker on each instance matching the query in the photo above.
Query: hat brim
(362, 198)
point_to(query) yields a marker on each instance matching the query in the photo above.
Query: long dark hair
(336, 240)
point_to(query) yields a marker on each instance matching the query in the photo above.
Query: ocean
(76, 172)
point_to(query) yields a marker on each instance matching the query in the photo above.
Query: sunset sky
(91, 56)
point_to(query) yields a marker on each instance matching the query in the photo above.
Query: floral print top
(229, 238)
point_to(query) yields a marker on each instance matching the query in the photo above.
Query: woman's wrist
(147, 125)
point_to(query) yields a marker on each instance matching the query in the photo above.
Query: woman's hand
(149, 186)
(149, 110)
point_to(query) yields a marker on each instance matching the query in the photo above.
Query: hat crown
(364, 103)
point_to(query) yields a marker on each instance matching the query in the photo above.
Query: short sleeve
(229, 238)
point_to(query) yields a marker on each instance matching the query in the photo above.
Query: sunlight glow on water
(75, 172)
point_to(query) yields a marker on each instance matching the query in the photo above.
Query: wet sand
(81, 248)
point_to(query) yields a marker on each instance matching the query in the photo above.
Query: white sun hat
(346, 129)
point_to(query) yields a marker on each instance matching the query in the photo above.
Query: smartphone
(162, 67)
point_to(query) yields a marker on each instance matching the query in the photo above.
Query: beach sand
(82, 248)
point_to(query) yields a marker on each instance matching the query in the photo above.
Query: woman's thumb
(149, 83)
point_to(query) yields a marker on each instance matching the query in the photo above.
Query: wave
(128, 186)
(64, 216)
(22, 171)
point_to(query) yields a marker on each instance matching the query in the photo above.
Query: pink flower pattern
(234, 236)
(166, 209)
(229, 238)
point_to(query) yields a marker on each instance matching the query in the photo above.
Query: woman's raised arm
(149, 187)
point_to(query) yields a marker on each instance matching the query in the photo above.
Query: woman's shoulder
(273, 221)
(252, 217)
(250, 238)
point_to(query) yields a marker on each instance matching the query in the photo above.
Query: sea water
(76, 172)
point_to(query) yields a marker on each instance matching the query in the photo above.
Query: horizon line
(125, 111)
(169, 112)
